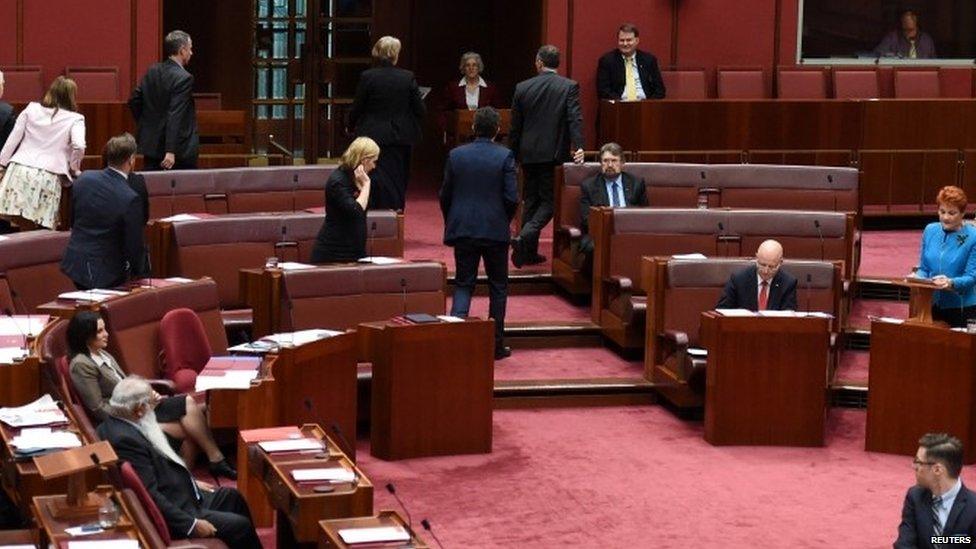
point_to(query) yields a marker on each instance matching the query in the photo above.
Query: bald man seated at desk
(763, 286)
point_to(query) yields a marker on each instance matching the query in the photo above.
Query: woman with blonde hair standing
(47, 143)
(342, 237)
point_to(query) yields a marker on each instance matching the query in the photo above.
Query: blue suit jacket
(951, 255)
(915, 530)
(106, 245)
(479, 196)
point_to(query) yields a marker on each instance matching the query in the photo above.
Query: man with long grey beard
(191, 508)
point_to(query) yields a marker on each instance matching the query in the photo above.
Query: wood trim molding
(570, 18)
(20, 32)
(133, 43)
(777, 34)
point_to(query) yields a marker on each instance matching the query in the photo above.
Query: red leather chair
(68, 391)
(95, 84)
(802, 84)
(856, 84)
(917, 84)
(185, 348)
(685, 84)
(741, 83)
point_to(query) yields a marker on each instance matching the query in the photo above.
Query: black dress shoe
(535, 260)
(222, 469)
(518, 254)
(503, 353)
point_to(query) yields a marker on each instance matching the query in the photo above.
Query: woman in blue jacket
(948, 258)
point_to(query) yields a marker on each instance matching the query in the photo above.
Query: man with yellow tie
(627, 73)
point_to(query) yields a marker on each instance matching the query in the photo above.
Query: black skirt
(171, 409)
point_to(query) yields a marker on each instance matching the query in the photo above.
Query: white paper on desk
(23, 324)
(18, 546)
(49, 441)
(77, 531)
(815, 314)
(301, 337)
(42, 411)
(178, 279)
(380, 260)
(374, 535)
(777, 314)
(294, 266)
(338, 474)
(231, 379)
(290, 445)
(254, 347)
(12, 355)
(694, 351)
(735, 312)
(689, 256)
(105, 544)
(889, 319)
(95, 296)
(449, 318)
(180, 217)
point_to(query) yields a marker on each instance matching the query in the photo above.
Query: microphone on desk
(9, 314)
(392, 490)
(403, 294)
(18, 302)
(294, 192)
(172, 197)
(91, 281)
(369, 242)
(809, 282)
(721, 233)
(426, 524)
(347, 446)
(816, 223)
(830, 178)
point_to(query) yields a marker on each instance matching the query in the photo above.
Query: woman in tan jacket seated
(94, 373)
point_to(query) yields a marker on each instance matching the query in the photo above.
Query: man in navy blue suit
(763, 286)
(478, 200)
(939, 511)
(106, 245)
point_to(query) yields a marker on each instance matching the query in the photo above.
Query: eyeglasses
(918, 463)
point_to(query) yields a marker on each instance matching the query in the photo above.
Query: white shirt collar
(949, 497)
(481, 82)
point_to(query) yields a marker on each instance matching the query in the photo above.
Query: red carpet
(862, 309)
(889, 253)
(565, 364)
(639, 477)
(852, 369)
(534, 308)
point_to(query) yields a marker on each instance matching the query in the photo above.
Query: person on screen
(947, 257)
(939, 511)
(763, 286)
(909, 42)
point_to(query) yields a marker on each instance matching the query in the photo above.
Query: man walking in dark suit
(478, 200)
(163, 107)
(7, 117)
(939, 511)
(763, 286)
(190, 508)
(611, 187)
(547, 130)
(627, 73)
(106, 245)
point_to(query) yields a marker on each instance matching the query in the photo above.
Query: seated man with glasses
(611, 187)
(763, 286)
(939, 511)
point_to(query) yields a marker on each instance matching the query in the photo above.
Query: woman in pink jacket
(47, 143)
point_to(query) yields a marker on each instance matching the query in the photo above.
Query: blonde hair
(360, 148)
(387, 48)
(61, 95)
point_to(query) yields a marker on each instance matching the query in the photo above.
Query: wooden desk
(460, 121)
(261, 290)
(20, 382)
(432, 387)
(329, 530)
(18, 537)
(921, 381)
(298, 506)
(766, 380)
(52, 529)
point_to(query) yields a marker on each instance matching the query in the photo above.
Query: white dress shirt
(632, 60)
(948, 499)
(471, 96)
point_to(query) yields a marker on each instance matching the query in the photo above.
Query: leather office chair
(185, 348)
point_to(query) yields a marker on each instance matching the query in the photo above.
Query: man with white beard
(191, 509)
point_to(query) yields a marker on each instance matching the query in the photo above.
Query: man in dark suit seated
(191, 508)
(478, 200)
(763, 286)
(628, 73)
(611, 187)
(106, 246)
(939, 511)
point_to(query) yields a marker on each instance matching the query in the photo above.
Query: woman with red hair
(948, 258)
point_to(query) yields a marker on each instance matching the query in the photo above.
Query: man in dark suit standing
(106, 245)
(939, 511)
(163, 107)
(763, 286)
(7, 117)
(628, 73)
(547, 130)
(611, 187)
(478, 200)
(190, 508)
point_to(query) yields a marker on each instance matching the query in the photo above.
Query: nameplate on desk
(290, 445)
(376, 534)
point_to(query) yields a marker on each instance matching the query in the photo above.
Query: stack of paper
(735, 312)
(380, 260)
(42, 411)
(777, 314)
(294, 266)
(688, 256)
(377, 534)
(255, 347)
(225, 379)
(301, 337)
(42, 438)
(181, 217)
(449, 318)
(331, 474)
(94, 296)
(290, 445)
(20, 325)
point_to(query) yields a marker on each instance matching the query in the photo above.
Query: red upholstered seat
(917, 84)
(70, 393)
(22, 84)
(856, 84)
(802, 84)
(132, 481)
(185, 348)
(741, 83)
(685, 84)
(85, 424)
(95, 83)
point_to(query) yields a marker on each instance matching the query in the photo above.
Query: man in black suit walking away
(106, 246)
(478, 200)
(939, 511)
(547, 130)
(611, 187)
(163, 107)
(192, 509)
(763, 286)
(7, 117)
(627, 73)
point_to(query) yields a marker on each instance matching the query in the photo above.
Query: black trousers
(467, 254)
(227, 510)
(151, 164)
(536, 204)
(388, 182)
(955, 317)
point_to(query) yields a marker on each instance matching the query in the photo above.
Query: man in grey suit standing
(547, 130)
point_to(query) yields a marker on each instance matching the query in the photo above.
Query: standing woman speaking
(949, 259)
(388, 109)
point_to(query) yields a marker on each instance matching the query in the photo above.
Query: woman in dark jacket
(388, 109)
(342, 237)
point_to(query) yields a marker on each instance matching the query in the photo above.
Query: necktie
(614, 202)
(936, 523)
(763, 295)
(630, 84)
(912, 50)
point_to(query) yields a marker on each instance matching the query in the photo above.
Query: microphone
(348, 447)
(91, 281)
(809, 281)
(816, 223)
(392, 490)
(369, 242)
(403, 294)
(830, 178)
(172, 197)
(721, 233)
(10, 315)
(18, 302)
(294, 192)
(426, 524)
